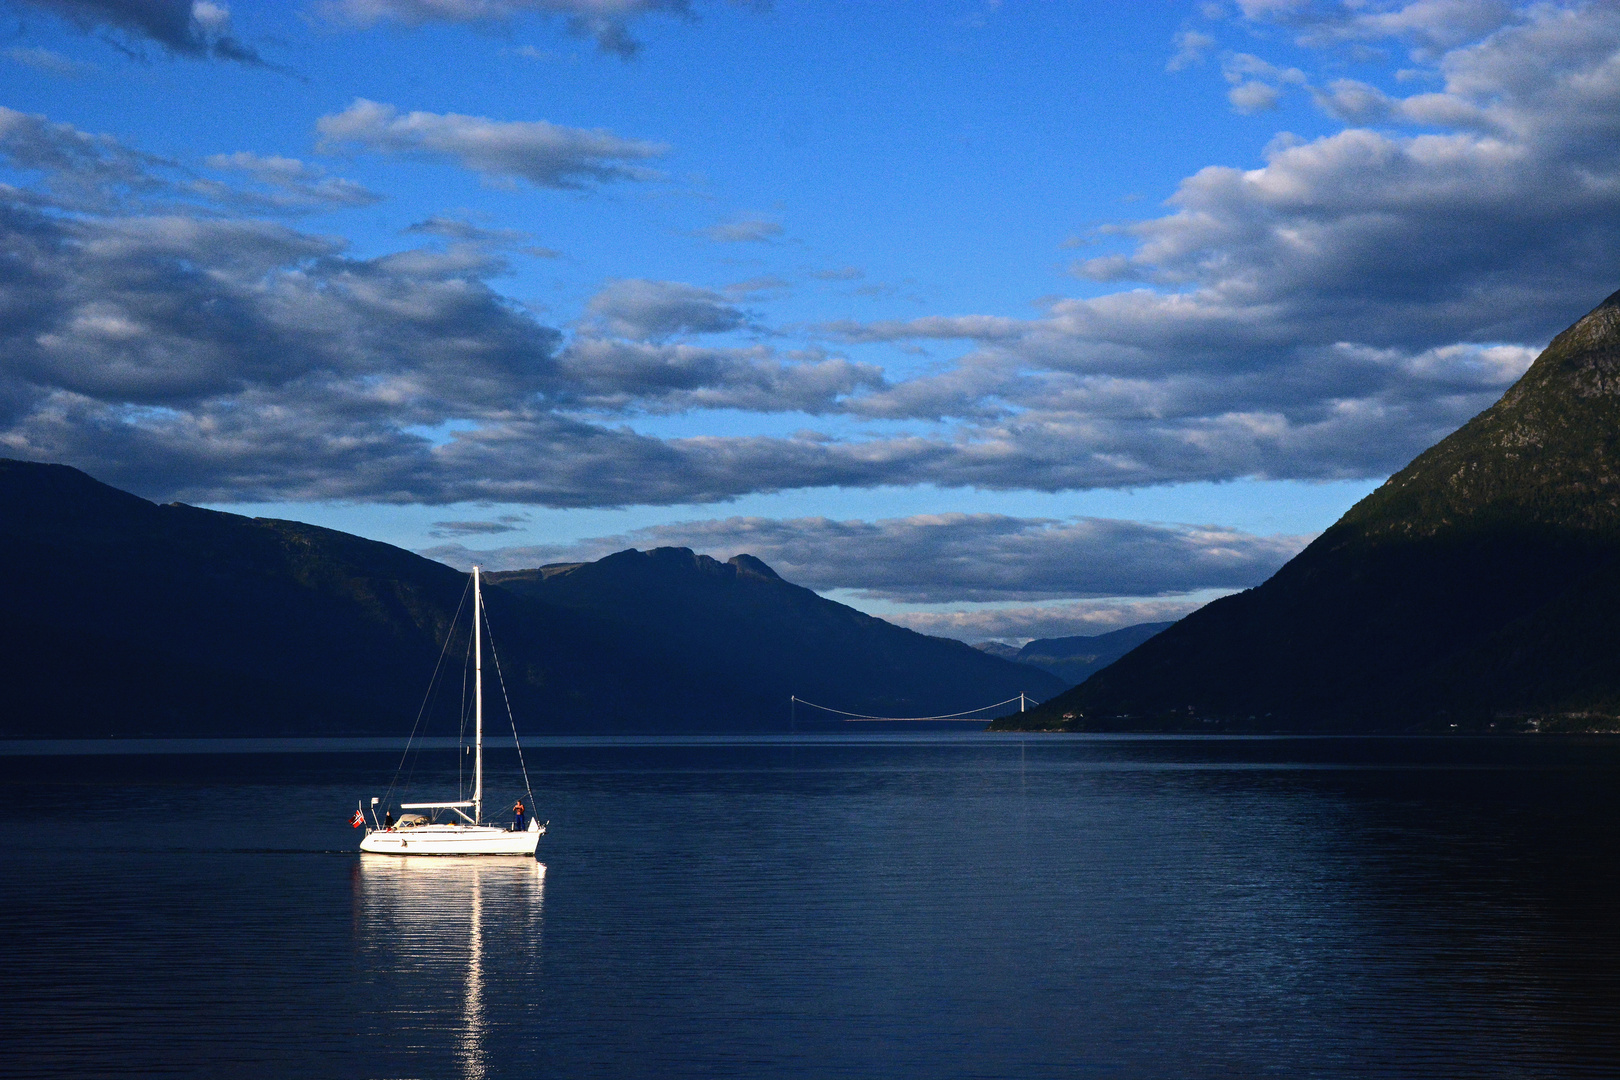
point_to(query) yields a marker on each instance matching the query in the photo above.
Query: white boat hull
(453, 840)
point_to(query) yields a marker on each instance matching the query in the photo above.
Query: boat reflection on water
(454, 943)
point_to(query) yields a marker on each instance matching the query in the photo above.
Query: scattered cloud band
(544, 154)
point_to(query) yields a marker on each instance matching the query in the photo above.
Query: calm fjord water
(929, 907)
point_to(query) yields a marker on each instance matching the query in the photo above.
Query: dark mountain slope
(739, 625)
(118, 616)
(1479, 585)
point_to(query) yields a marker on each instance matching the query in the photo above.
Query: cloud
(1236, 67)
(1191, 48)
(208, 357)
(605, 21)
(1256, 83)
(1047, 621)
(215, 358)
(190, 28)
(76, 170)
(546, 155)
(1353, 102)
(1326, 313)
(472, 528)
(743, 231)
(46, 60)
(1427, 27)
(956, 558)
(1498, 230)
(465, 232)
(284, 184)
(1320, 301)
(842, 273)
(90, 173)
(476, 236)
(645, 310)
(1253, 97)
(758, 286)
(940, 327)
(624, 376)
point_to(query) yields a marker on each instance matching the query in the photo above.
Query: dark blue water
(940, 907)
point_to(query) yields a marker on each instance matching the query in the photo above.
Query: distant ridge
(122, 617)
(737, 623)
(1478, 589)
(1074, 659)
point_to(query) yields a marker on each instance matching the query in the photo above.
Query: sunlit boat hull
(453, 840)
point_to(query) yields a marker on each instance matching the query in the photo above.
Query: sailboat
(415, 834)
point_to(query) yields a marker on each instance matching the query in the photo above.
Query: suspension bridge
(969, 716)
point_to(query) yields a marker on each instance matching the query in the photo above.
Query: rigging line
(509, 716)
(420, 712)
(435, 688)
(946, 716)
(435, 685)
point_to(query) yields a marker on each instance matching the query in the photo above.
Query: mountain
(1073, 659)
(737, 624)
(1478, 589)
(121, 617)
(997, 648)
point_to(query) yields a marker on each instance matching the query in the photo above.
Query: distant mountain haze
(1478, 589)
(122, 617)
(997, 648)
(1074, 659)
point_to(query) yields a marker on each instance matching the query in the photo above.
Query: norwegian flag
(358, 820)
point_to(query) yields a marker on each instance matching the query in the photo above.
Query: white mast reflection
(472, 1023)
(423, 923)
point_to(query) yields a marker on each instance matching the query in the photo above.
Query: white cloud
(285, 184)
(1428, 27)
(625, 376)
(545, 155)
(646, 310)
(744, 231)
(46, 60)
(466, 232)
(1353, 102)
(1047, 620)
(1253, 97)
(606, 21)
(1255, 82)
(1191, 48)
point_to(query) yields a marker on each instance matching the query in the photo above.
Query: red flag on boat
(358, 820)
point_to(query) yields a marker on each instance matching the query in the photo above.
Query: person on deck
(517, 808)
(388, 819)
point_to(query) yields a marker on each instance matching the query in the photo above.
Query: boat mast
(478, 701)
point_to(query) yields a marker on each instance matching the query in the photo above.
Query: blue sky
(999, 319)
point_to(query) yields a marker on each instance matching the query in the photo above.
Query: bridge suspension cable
(966, 715)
